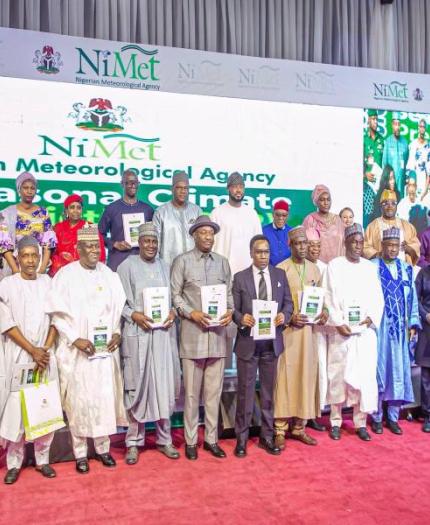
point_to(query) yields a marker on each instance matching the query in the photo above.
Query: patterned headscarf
(23, 177)
(318, 191)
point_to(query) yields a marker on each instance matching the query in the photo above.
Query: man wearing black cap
(202, 346)
(174, 218)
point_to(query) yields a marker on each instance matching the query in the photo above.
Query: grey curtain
(360, 33)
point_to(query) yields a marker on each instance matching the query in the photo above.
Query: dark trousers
(265, 361)
(425, 390)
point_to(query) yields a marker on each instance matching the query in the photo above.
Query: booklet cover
(214, 302)
(131, 223)
(156, 304)
(312, 302)
(264, 313)
(99, 333)
(354, 316)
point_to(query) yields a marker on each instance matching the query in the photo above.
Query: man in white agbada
(355, 303)
(87, 295)
(238, 224)
(149, 356)
(27, 336)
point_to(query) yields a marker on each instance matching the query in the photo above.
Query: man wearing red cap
(277, 233)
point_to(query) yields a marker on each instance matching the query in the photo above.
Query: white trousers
(16, 451)
(359, 418)
(80, 445)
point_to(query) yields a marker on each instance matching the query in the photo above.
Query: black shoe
(106, 459)
(214, 449)
(11, 476)
(363, 434)
(82, 466)
(313, 423)
(394, 427)
(377, 427)
(191, 452)
(335, 433)
(47, 471)
(240, 450)
(426, 424)
(269, 446)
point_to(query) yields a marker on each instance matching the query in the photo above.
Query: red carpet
(346, 482)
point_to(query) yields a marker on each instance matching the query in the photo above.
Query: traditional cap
(281, 205)
(295, 233)
(391, 233)
(180, 176)
(89, 232)
(71, 199)
(353, 230)
(27, 240)
(313, 235)
(372, 113)
(235, 178)
(24, 176)
(201, 221)
(148, 229)
(318, 191)
(395, 115)
(388, 195)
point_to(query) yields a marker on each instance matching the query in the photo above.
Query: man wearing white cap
(355, 303)
(86, 302)
(174, 218)
(238, 224)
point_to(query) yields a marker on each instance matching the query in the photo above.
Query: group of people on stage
(54, 287)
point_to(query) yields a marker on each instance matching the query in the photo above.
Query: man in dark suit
(264, 282)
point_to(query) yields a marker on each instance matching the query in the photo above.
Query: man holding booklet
(149, 352)
(86, 302)
(201, 292)
(296, 390)
(27, 336)
(263, 307)
(355, 303)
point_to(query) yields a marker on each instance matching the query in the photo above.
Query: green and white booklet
(312, 302)
(214, 302)
(354, 315)
(264, 313)
(156, 304)
(131, 223)
(99, 333)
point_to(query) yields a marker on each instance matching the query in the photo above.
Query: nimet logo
(131, 62)
(394, 91)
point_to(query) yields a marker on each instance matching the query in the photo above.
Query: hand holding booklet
(100, 334)
(312, 302)
(264, 313)
(131, 223)
(156, 305)
(214, 302)
(354, 316)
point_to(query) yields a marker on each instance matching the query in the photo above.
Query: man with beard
(396, 153)
(174, 218)
(409, 243)
(277, 233)
(111, 221)
(238, 224)
(355, 303)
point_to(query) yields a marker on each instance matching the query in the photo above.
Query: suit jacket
(243, 294)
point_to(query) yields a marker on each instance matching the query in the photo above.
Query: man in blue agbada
(399, 323)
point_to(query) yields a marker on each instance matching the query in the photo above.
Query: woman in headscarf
(25, 218)
(329, 225)
(67, 235)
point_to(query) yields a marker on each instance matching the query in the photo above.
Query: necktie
(262, 288)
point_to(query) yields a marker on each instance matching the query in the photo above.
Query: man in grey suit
(202, 347)
(264, 282)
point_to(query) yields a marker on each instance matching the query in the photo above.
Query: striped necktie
(262, 288)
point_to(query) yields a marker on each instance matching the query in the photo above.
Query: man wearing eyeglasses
(112, 222)
(409, 242)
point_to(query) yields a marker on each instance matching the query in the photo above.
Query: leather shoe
(106, 459)
(240, 450)
(169, 451)
(394, 427)
(11, 476)
(47, 471)
(280, 441)
(377, 427)
(313, 423)
(363, 434)
(269, 446)
(304, 438)
(214, 449)
(132, 455)
(335, 433)
(191, 452)
(426, 425)
(82, 466)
